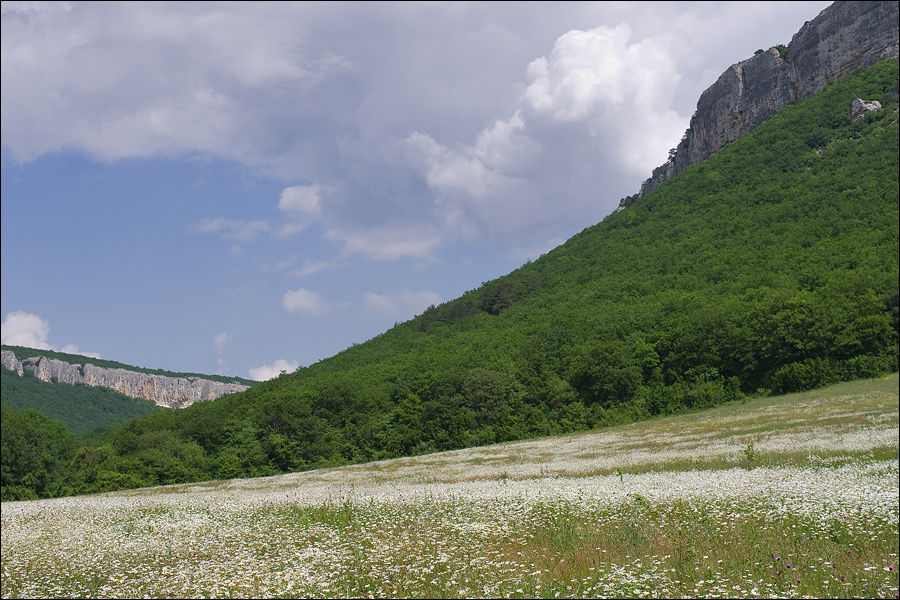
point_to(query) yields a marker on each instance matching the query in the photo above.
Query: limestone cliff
(844, 37)
(172, 392)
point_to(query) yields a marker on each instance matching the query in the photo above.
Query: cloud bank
(478, 135)
(501, 120)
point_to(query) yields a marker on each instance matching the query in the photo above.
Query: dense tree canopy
(80, 408)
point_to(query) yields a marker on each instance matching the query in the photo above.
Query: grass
(787, 497)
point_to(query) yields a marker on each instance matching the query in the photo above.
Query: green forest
(80, 408)
(771, 267)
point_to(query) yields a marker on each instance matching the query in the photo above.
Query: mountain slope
(771, 267)
(844, 37)
(775, 262)
(80, 408)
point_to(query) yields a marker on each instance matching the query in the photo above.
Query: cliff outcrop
(171, 392)
(844, 37)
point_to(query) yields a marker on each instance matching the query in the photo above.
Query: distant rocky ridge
(844, 37)
(171, 392)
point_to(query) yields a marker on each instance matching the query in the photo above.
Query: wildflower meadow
(795, 496)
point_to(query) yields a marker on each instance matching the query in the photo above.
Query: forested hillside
(80, 408)
(771, 267)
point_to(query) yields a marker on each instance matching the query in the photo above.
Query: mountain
(772, 266)
(164, 388)
(844, 37)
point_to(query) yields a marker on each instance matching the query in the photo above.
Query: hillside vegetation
(80, 408)
(772, 267)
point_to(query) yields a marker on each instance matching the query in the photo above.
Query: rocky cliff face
(172, 392)
(844, 37)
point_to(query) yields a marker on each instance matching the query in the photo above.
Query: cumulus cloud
(25, 329)
(302, 205)
(588, 70)
(301, 199)
(266, 372)
(304, 301)
(598, 104)
(28, 329)
(612, 84)
(480, 188)
(399, 305)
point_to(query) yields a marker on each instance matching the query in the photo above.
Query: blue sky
(244, 188)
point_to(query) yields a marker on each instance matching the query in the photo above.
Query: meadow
(793, 496)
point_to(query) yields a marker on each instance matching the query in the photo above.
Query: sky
(245, 188)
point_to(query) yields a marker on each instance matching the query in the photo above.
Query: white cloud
(290, 267)
(300, 199)
(122, 81)
(241, 231)
(220, 341)
(25, 329)
(595, 108)
(482, 187)
(266, 372)
(301, 204)
(34, 7)
(304, 301)
(487, 130)
(311, 267)
(615, 87)
(387, 243)
(504, 144)
(399, 305)
(28, 329)
(476, 169)
(73, 349)
(585, 68)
